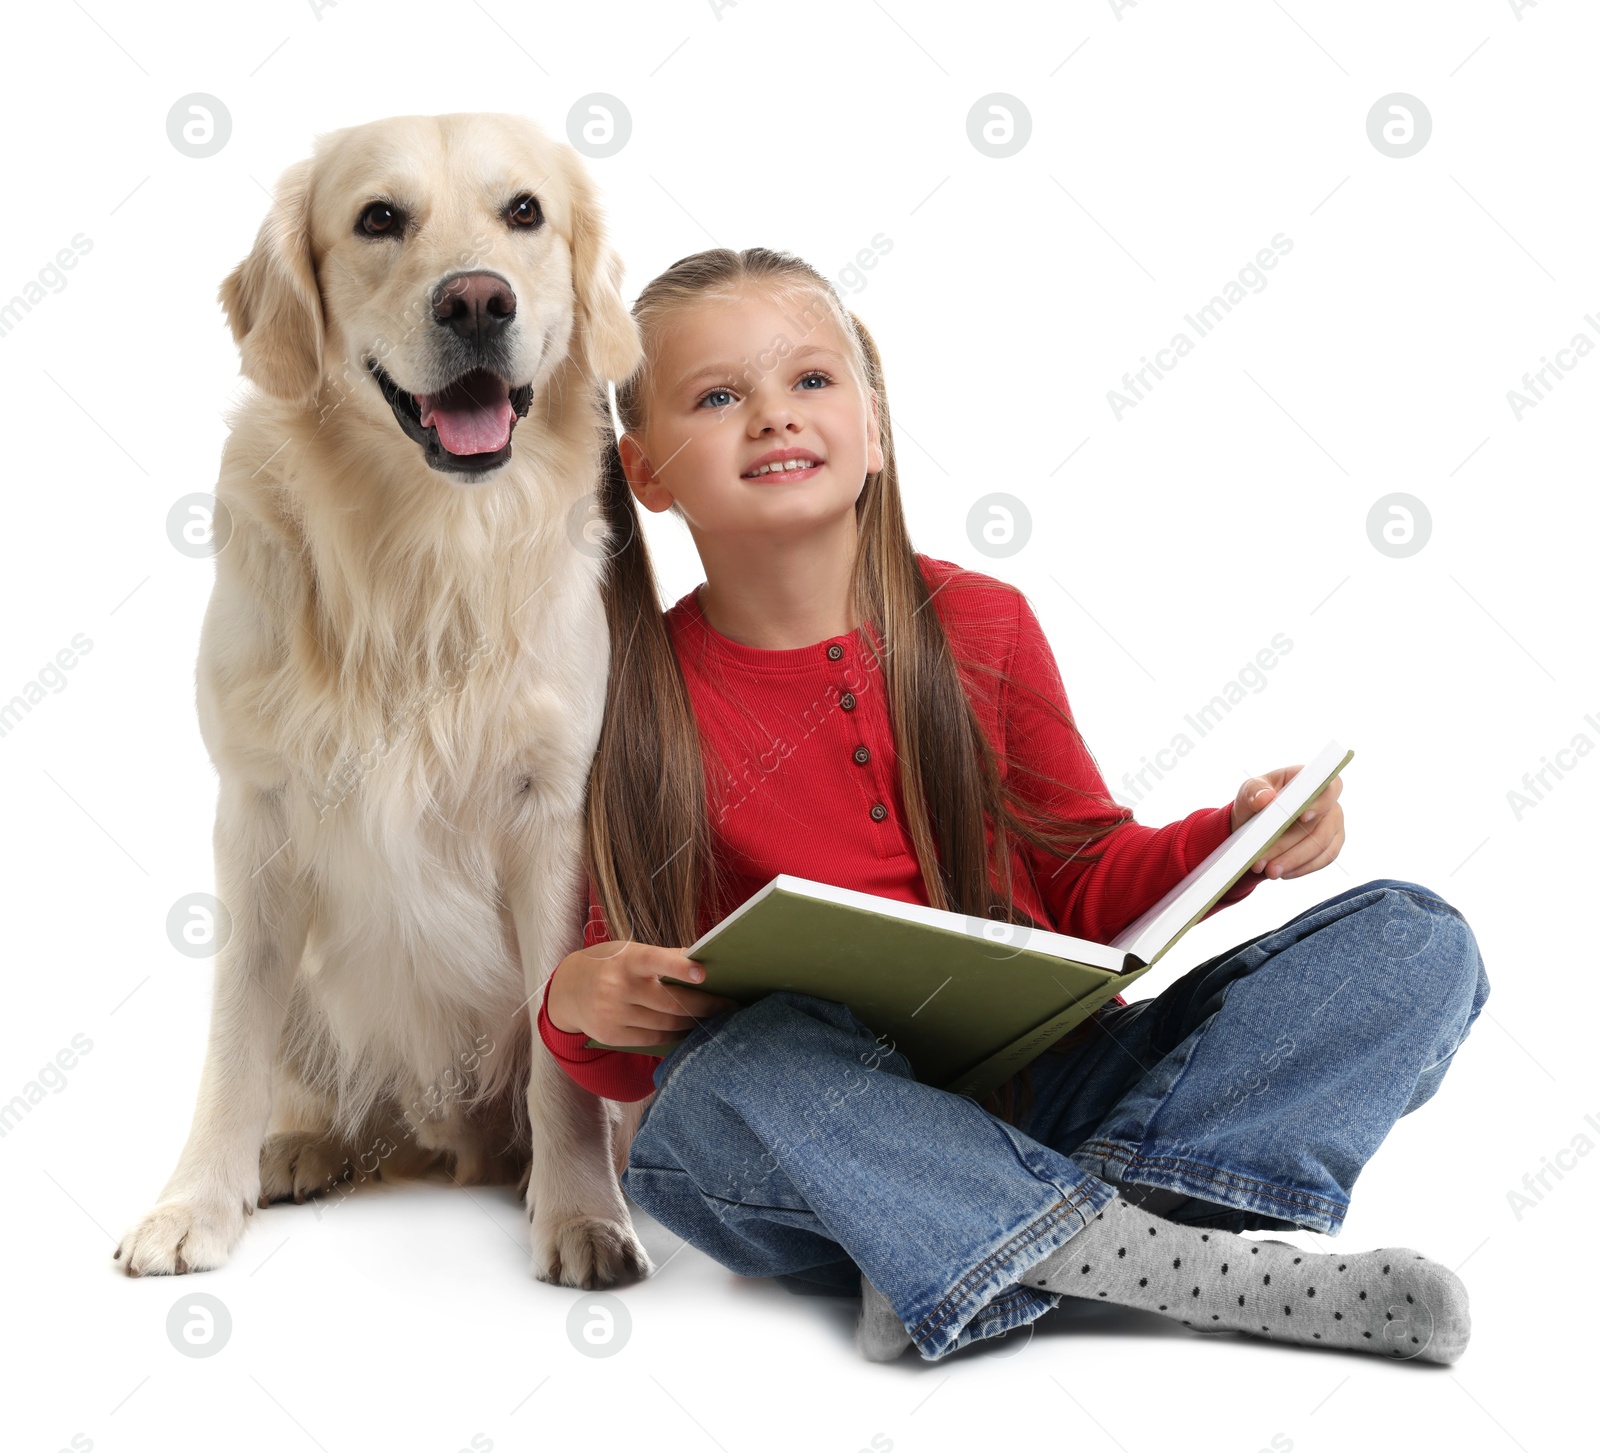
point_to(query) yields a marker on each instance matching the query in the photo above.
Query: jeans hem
(988, 1301)
(1114, 1162)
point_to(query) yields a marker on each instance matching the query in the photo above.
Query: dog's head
(436, 271)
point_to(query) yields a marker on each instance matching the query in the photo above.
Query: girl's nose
(777, 418)
(775, 412)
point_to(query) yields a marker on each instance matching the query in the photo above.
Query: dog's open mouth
(466, 427)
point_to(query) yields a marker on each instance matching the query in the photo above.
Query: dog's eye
(380, 220)
(525, 212)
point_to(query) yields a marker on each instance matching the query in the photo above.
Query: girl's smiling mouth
(784, 463)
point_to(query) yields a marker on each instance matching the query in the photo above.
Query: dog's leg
(305, 1154)
(581, 1232)
(302, 1155)
(202, 1210)
(630, 1115)
(299, 1165)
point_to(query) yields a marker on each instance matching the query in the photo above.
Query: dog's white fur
(401, 680)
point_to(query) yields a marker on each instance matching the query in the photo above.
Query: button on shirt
(801, 772)
(802, 777)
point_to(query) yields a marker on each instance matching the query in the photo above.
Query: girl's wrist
(551, 1011)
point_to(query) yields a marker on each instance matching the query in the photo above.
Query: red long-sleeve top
(802, 778)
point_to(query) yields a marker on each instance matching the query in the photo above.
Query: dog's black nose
(474, 305)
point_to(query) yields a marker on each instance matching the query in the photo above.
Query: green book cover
(968, 1001)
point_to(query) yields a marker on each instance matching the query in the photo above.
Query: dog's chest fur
(429, 721)
(476, 772)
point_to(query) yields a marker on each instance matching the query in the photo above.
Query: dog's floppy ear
(608, 337)
(271, 298)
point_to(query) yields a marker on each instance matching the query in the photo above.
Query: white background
(1169, 144)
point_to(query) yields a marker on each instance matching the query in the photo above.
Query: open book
(968, 1001)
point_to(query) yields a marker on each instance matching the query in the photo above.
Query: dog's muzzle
(466, 427)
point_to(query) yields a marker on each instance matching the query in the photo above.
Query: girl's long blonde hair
(650, 844)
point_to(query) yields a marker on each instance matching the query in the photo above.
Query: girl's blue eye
(708, 399)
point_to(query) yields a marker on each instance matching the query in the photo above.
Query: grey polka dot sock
(1393, 1301)
(880, 1334)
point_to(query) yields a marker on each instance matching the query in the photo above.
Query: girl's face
(744, 382)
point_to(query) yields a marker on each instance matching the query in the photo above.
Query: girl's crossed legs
(785, 1141)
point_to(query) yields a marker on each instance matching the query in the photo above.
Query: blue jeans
(784, 1140)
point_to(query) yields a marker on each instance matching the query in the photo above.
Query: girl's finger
(1292, 835)
(674, 999)
(644, 1021)
(1306, 839)
(647, 1028)
(1309, 842)
(667, 1028)
(1320, 860)
(639, 1034)
(1322, 804)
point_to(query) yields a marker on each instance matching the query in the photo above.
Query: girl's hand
(1310, 842)
(613, 992)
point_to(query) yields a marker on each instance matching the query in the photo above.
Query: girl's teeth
(788, 464)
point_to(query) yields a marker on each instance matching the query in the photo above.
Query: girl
(830, 703)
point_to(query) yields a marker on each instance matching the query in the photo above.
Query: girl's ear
(606, 334)
(274, 308)
(874, 436)
(641, 476)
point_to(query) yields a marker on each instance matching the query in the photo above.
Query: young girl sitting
(834, 705)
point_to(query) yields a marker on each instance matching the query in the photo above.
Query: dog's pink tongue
(473, 415)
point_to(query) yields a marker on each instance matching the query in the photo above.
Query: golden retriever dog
(401, 680)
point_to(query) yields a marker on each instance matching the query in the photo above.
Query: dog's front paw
(185, 1233)
(588, 1251)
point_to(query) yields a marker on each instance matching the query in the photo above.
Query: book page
(1155, 930)
(1060, 945)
